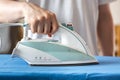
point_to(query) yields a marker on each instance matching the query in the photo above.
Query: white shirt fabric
(83, 14)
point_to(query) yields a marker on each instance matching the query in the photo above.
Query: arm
(10, 10)
(106, 30)
(39, 19)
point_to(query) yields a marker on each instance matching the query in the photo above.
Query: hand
(40, 20)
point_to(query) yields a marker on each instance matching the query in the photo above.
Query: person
(91, 19)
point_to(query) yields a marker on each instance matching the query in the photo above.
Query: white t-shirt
(83, 14)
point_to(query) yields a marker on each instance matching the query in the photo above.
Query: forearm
(11, 10)
(106, 31)
(40, 20)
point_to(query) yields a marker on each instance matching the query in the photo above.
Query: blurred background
(115, 8)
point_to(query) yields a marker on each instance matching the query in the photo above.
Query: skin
(39, 19)
(45, 22)
(105, 30)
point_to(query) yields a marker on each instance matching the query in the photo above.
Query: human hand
(40, 20)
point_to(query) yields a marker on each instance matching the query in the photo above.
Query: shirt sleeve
(105, 1)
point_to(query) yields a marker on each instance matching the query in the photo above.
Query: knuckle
(53, 14)
(41, 18)
(34, 22)
(47, 17)
(33, 19)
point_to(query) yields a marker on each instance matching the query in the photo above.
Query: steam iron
(65, 47)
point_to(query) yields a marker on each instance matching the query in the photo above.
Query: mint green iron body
(63, 48)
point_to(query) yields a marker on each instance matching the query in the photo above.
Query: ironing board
(17, 69)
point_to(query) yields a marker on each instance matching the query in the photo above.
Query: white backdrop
(115, 8)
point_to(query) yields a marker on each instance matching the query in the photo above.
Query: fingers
(54, 23)
(41, 21)
(51, 24)
(44, 22)
(33, 26)
(40, 27)
(45, 25)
